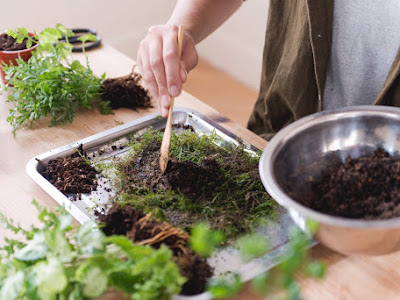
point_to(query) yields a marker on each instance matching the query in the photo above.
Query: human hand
(158, 62)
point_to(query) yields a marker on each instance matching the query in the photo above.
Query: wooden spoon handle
(166, 142)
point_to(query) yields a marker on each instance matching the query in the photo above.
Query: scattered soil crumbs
(367, 188)
(125, 92)
(71, 175)
(143, 229)
(8, 43)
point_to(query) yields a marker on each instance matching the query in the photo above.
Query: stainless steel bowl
(301, 151)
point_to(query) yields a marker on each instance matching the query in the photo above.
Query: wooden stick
(166, 142)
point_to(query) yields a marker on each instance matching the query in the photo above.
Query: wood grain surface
(347, 278)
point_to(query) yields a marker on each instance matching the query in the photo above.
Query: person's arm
(158, 59)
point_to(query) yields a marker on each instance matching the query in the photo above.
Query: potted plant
(16, 44)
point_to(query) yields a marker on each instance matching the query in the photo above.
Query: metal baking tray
(108, 144)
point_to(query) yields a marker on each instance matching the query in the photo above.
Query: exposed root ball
(145, 230)
(125, 92)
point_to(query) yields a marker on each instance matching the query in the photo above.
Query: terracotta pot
(11, 56)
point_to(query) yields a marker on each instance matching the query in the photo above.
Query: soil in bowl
(367, 187)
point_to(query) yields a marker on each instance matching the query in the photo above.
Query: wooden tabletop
(347, 278)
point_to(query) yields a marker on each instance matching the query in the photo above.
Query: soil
(8, 43)
(125, 92)
(190, 179)
(71, 175)
(143, 229)
(363, 188)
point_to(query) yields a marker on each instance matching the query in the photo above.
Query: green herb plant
(20, 34)
(50, 83)
(277, 283)
(60, 261)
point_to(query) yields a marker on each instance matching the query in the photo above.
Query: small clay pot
(11, 56)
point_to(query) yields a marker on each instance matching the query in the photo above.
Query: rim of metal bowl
(270, 152)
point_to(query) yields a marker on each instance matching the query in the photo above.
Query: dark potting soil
(71, 175)
(190, 179)
(8, 43)
(143, 229)
(125, 92)
(363, 188)
(186, 177)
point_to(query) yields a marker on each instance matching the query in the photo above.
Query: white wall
(235, 48)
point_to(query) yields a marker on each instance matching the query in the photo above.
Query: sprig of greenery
(279, 280)
(59, 261)
(20, 34)
(49, 84)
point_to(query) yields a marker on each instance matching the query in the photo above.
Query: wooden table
(348, 277)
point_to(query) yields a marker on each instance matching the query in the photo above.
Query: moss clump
(223, 182)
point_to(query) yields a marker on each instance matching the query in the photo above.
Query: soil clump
(125, 92)
(190, 179)
(362, 188)
(8, 43)
(145, 230)
(71, 175)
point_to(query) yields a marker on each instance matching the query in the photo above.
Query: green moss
(235, 205)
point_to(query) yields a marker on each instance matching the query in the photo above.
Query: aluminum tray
(108, 144)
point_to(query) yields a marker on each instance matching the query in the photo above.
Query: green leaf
(65, 221)
(12, 286)
(316, 269)
(90, 239)
(261, 283)
(252, 246)
(87, 37)
(223, 288)
(93, 279)
(51, 276)
(34, 250)
(203, 240)
(77, 66)
(58, 245)
(50, 36)
(312, 226)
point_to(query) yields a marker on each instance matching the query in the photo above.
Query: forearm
(201, 17)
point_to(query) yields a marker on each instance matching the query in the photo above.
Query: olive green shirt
(296, 54)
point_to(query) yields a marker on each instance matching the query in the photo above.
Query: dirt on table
(71, 175)
(8, 43)
(362, 188)
(126, 92)
(145, 230)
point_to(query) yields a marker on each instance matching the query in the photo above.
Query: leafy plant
(279, 280)
(49, 83)
(20, 34)
(59, 261)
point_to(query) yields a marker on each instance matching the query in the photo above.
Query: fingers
(182, 72)
(146, 71)
(171, 60)
(158, 69)
(158, 61)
